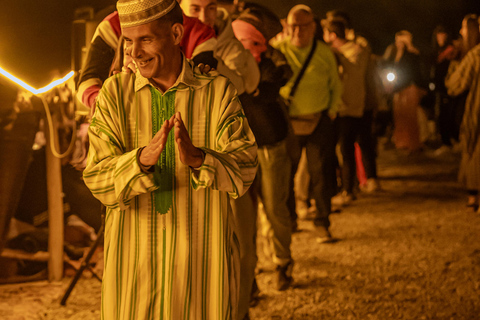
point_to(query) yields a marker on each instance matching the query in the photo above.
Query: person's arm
(238, 64)
(99, 59)
(280, 72)
(113, 175)
(335, 84)
(232, 165)
(460, 75)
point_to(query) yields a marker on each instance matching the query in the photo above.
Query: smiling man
(168, 147)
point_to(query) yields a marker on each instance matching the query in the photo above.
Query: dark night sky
(35, 36)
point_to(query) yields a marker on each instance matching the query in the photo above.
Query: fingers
(204, 68)
(154, 149)
(182, 137)
(129, 67)
(164, 129)
(188, 153)
(160, 138)
(180, 130)
(178, 116)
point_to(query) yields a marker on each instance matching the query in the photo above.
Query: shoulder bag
(303, 124)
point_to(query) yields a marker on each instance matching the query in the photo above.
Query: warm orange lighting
(28, 87)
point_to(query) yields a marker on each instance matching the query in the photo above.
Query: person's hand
(188, 153)
(130, 67)
(205, 68)
(150, 154)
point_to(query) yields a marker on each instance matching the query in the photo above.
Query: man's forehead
(299, 17)
(148, 29)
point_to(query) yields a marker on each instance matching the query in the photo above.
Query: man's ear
(177, 32)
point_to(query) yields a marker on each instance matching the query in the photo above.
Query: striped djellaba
(465, 76)
(182, 263)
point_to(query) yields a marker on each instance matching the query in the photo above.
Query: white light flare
(391, 76)
(28, 87)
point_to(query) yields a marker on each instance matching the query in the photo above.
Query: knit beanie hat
(262, 18)
(134, 13)
(252, 39)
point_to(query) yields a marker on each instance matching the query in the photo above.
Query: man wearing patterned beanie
(170, 245)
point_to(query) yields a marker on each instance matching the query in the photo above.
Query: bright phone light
(28, 87)
(391, 76)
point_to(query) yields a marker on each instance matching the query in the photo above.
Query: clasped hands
(188, 153)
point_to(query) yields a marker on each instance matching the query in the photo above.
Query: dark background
(35, 36)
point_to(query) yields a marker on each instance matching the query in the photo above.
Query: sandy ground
(410, 251)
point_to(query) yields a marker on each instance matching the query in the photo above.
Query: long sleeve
(461, 78)
(460, 75)
(232, 165)
(335, 85)
(99, 59)
(234, 61)
(112, 173)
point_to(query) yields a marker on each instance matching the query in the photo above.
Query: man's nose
(135, 50)
(202, 16)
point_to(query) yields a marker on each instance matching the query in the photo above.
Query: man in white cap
(170, 246)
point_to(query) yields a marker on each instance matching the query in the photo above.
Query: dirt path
(408, 252)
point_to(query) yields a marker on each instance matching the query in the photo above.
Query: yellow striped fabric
(183, 264)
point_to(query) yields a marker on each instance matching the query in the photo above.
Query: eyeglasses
(301, 27)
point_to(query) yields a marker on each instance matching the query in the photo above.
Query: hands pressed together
(188, 153)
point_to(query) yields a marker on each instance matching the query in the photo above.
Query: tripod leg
(85, 264)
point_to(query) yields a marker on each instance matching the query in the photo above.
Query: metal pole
(55, 209)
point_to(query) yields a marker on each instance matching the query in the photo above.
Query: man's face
(441, 39)
(204, 10)
(151, 46)
(301, 28)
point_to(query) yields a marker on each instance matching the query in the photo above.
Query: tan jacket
(234, 61)
(353, 61)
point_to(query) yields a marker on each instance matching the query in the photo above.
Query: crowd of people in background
(315, 96)
(315, 99)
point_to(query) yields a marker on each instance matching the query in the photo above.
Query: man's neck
(167, 80)
(307, 45)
